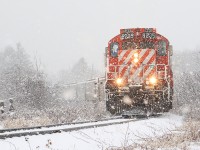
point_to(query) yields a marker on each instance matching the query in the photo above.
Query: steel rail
(57, 125)
(48, 130)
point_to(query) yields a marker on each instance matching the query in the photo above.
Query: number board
(148, 35)
(128, 35)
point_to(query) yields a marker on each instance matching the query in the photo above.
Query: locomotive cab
(139, 72)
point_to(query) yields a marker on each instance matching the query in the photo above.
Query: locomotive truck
(139, 72)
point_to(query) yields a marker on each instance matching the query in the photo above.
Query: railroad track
(68, 127)
(56, 125)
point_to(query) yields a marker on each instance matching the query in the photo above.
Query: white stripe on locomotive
(124, 64)
(146, 74)
(128, 58)
(139, 69)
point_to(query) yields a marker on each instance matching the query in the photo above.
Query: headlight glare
(135, 55)
(153, 80)
(119, 81)
(135, 60)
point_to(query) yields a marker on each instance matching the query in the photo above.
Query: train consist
(139, 71)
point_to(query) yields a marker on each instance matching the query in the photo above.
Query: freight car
(139, 72)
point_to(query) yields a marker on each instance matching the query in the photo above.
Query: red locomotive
(139, 71)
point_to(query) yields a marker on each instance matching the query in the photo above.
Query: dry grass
(23, 122)
(179, 139)
(55, 115)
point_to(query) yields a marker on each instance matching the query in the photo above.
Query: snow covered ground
(97, 138)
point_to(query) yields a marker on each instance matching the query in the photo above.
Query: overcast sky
(62, 31)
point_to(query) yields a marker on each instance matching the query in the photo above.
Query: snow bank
(194, 146)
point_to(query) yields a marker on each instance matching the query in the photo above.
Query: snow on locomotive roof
(138, 30)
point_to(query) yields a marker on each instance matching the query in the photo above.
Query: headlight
(135, 55)
(153, 80)
(119, 81)
(135, 60)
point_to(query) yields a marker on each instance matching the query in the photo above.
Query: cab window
(114, 47)
(162, 48)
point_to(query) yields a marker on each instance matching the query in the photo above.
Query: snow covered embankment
(97, 138)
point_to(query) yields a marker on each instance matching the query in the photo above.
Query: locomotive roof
(139, 32)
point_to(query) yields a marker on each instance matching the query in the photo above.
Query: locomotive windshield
(127, 45)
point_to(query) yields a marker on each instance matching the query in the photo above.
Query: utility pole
(98, 86)
(85, 91)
